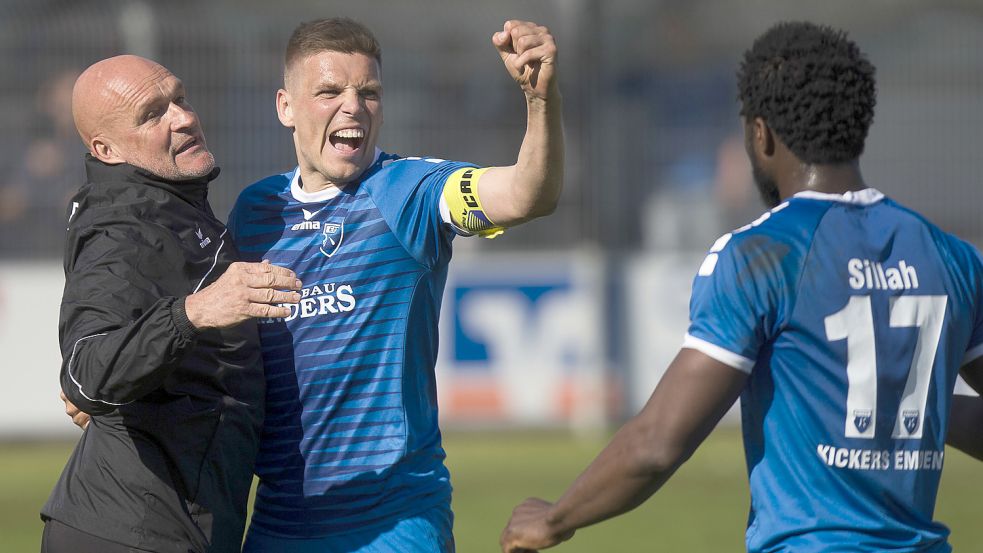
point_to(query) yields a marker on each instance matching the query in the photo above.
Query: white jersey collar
(866, 196)
(303, 196)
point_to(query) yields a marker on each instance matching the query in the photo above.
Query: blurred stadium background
(554, 333)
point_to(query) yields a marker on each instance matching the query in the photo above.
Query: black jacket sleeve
(121, 332)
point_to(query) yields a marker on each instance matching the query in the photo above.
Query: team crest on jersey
(910, 420)
(861, 419)
(332, 232)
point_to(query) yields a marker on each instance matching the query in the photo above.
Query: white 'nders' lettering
(319, 300)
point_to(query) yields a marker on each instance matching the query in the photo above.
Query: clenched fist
(245, 291)
(529, 528)
(529, 54)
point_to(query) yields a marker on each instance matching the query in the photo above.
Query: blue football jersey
(351, 437)
(852, 316)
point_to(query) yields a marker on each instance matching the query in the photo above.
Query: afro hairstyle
(814, 89)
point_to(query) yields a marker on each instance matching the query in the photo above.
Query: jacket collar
(193, 191)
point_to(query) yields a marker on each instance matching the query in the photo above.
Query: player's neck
(313, 182)
(829, 178)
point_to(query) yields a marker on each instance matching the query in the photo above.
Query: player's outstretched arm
(966, 416)
(693, 395)
(530, 188)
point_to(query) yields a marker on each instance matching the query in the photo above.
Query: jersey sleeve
(736, 300)
(408, 193)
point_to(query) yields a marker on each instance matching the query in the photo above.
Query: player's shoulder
(271, 185)
(790, 223)
(118, 209)
(955, 251)
(796, 221)
(760, 236)
(774, 243)
(394, 169)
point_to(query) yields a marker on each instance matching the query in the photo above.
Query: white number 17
(855, 324)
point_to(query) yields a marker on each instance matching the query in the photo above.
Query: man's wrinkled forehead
(132, 90)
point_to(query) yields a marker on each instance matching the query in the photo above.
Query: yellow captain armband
(461, 195)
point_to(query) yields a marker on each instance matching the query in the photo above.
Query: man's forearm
(102, 370)
(538, 177)
(531, 188)
(690, 399)
(623, 476)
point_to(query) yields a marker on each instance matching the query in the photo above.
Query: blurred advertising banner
(656, 291)
(30, 295)
(522, 341)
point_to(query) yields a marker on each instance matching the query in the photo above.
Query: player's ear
(284, 109)
(105, 151)
(762, 139)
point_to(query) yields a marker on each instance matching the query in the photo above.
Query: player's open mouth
(347, 140)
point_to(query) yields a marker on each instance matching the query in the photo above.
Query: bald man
(157, 331)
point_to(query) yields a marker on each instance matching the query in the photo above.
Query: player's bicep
(464, 202)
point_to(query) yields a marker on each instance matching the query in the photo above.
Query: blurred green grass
(702, 509)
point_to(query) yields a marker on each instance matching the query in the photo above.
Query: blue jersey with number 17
(852, 316)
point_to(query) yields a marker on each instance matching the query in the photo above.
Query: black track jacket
(166, 463)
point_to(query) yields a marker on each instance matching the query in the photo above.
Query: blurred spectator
(734, 191)
(44, 176)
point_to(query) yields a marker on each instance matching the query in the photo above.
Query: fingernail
(298, 283)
